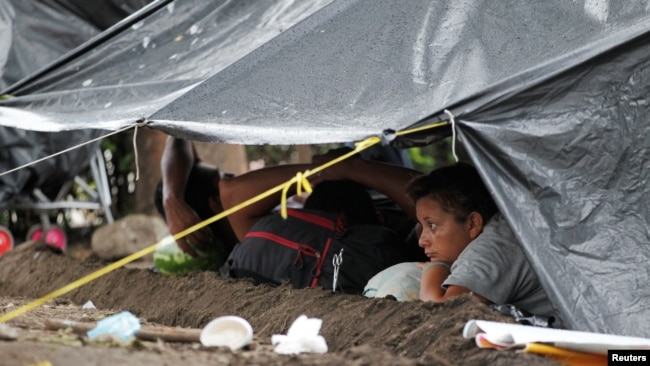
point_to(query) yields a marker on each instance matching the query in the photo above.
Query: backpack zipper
(312, 218)
(299, 248)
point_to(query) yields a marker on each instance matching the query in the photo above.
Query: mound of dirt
(358, 330)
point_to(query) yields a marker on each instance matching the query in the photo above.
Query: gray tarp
(38, 32)
(147, 65)
(551, 99)
(33, 33)
(568, 160)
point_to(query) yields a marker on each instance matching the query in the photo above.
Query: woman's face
(443, 238)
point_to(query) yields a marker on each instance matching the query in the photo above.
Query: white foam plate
(229, 331)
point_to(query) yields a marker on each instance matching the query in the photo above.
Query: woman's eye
(431, 226)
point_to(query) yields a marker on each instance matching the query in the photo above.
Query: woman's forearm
(431, 284)
(177, 161)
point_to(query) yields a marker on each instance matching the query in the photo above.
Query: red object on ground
(54, 236)
(6, 240)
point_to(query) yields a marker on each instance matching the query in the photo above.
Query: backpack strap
(319, 265)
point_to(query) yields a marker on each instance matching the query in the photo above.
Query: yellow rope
(300, 179)
(423, 128)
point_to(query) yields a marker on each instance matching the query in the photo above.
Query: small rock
(127, 236)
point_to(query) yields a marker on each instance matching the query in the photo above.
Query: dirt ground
(358, 331)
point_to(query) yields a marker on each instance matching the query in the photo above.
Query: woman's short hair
(458, 188)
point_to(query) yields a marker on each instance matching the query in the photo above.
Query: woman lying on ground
(470, 246)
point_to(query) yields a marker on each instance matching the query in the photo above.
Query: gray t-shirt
(495, 267)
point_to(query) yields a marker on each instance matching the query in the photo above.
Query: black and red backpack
(300, 250)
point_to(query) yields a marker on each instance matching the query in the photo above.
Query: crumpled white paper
(301, 337)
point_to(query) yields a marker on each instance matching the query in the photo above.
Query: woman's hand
(339, 171)
(180, 216)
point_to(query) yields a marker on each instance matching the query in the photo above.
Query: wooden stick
(169, 334)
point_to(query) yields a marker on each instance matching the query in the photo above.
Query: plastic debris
(88, 305)
(229, 331)
(8, 333)
(301, 337)
(124, 325)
